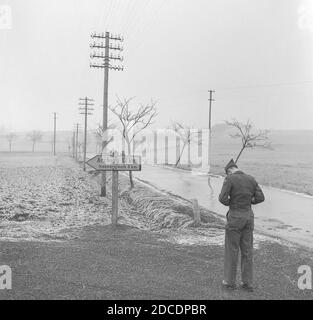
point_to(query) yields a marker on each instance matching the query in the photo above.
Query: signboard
(115, 163)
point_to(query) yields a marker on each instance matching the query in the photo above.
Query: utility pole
(73, 144)
(210, 141)
(55, 130)
(106, 57)
(210, 128)
(76, 126)
(86, 111)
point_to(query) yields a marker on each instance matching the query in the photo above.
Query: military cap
(230, 164)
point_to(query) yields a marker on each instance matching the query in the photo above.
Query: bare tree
(186, 135)
(34, 136)
(10, 137)
(248, 138)
(100, 142)
(133, 122)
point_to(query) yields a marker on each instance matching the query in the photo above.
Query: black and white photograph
(157, 151)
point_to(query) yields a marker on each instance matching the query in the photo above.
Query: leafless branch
(185, 133)
(248, 138)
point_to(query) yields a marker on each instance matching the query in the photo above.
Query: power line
(124, 16)
(131, 9)
(135, 21)
(267, 85)
(103, 15)
(147, 27)
(119, 18)
(108, 16)
(202, 92)
(111, 17)
(155, 15)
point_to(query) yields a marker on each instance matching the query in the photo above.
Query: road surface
(285, 214)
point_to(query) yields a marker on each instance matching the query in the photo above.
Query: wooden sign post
(114, 197)
(115, 164)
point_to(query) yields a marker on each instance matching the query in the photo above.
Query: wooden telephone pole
(210, 128)
(76, 127)
(73, 144)
(86, 111)
(106, 57)
(210, 140)
(54, 132)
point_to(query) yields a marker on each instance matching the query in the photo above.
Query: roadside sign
(115, 163)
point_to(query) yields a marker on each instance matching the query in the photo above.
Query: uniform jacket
(239, 192)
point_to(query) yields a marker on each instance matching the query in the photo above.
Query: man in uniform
(239, 192)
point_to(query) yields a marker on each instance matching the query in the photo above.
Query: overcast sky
(256, 54)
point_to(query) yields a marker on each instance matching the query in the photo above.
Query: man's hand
(258, 195)
(224, 195)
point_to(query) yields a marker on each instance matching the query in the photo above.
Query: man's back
(240, 191)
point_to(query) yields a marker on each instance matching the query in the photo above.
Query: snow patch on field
(47, 198)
